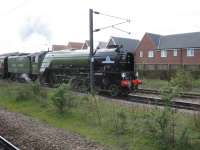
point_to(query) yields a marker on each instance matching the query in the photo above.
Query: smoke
(35, 25)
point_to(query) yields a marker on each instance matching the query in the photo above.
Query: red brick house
(74, 45)
(58, 47)
(156, 52)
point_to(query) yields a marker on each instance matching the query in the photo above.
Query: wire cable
(111, 26)
(127, 20)
(121, 30)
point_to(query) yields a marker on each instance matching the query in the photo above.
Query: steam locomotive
(113, 69)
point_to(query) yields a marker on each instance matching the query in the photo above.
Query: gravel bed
(29, 134)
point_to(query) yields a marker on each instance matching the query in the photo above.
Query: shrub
(169, 92)
(63, 99)
(182, 80)
(196, 118)
(183, 142)
(160, 129)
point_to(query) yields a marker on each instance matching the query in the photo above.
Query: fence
(165, 71)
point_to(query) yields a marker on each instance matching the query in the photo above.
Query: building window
(141, 53)
(150, 54)
(164, 53)
(175, 52)
(190, 51)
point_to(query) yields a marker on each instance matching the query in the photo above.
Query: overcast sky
(33, 25)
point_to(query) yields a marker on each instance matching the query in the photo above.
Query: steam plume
(35, 25)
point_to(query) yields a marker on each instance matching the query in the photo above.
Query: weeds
(118, 122)
(159, 129)
(24, 94)
(63, 99)
(32, 91)
(126, 128)
(90, 105)
(196, 119)
(183, 142)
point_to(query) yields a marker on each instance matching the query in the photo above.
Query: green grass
(153, 84)
(83, 119)
(158, 84)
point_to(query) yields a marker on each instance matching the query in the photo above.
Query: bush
(196, 118)
(183, 142)
(169, 92)
(39, 93)
(63, 99)
(160, 129)
(182, 80)
(38, 90)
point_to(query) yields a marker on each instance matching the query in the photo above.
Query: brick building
(157, 52)
(127, 44)
(56, 47)
(75, 45)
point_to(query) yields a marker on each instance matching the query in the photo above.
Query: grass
(153, 83)
(160, 84)
(100, 121)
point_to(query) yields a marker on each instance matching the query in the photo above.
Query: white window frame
(163, 53)
(141, 53)
(190, 52)
(150, 54)
(175, 52)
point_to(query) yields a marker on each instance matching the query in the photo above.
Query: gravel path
(29, 134)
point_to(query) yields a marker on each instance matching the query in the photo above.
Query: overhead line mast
(91, 51)
(91, 31)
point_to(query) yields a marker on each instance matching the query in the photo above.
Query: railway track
(159, 102)
(183, 94)
(6, 145)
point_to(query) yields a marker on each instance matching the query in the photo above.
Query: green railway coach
(25, 65)
(18, 65)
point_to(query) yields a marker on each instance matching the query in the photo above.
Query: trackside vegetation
(112, 124)
(182, 79)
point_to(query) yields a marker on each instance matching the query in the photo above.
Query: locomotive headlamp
(123, 75)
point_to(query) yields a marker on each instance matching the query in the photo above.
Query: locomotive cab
(118, 76)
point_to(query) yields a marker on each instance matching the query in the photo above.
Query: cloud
(35, 25)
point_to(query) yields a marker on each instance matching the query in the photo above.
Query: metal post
(91, 51)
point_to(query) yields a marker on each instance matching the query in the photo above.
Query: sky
(34, 25)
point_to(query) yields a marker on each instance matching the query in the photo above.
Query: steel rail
(182, 94)
(6, 145)
(159, 102)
